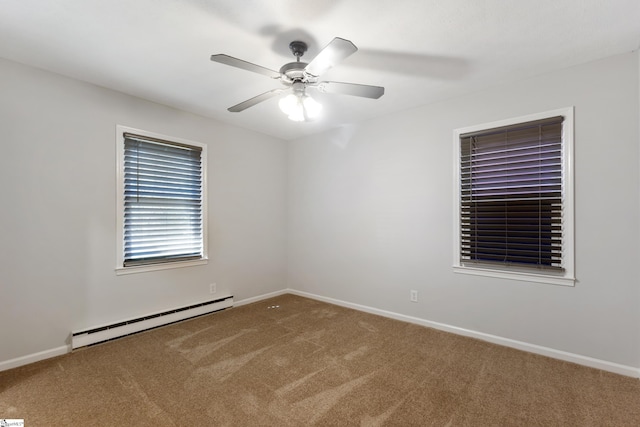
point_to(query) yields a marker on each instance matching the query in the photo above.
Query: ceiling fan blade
(365, 91)
(332, 53)
(255, 100)
(239, 63)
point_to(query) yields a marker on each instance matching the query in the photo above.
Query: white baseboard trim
(591, 362)
(262, 297)
(531, 348)
(59, 351)
(35, 357)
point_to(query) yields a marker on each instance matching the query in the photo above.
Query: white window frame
(565, 277)
(120, 269)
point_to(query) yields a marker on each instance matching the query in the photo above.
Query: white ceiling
(421, 51)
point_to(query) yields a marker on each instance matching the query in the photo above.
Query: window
(161, 201)
(514, 204)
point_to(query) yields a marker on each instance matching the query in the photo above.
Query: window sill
(550, 279)
(163, 266)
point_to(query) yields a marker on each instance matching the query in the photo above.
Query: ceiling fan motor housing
(298, 48)
(294, 71)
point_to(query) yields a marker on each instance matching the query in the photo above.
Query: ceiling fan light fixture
(300, 107)
(288, 104)
(312, 107)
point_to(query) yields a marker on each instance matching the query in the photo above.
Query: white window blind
(163, 194)
(511, 195)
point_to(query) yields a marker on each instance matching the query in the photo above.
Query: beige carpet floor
(292, 361)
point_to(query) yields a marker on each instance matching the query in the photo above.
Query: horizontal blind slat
(163, 201)
(511, 191)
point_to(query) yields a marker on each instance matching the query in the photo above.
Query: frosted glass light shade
(288, 104)
(300, 107)
(312, 107)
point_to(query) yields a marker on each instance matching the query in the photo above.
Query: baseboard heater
(132, 326)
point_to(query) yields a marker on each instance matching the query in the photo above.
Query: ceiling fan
(299, 76)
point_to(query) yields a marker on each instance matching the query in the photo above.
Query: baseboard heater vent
(132, 326)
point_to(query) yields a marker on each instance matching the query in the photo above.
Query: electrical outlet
(413, 295)
(212, 288)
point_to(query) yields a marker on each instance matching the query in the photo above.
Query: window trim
(120, 268)
(565, 277)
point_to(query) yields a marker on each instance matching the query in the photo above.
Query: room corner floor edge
(604, 365)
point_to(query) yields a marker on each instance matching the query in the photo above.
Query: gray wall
(58, 215)
(361, 214)
(370, 216)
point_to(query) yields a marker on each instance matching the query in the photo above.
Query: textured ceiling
(421, 51)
